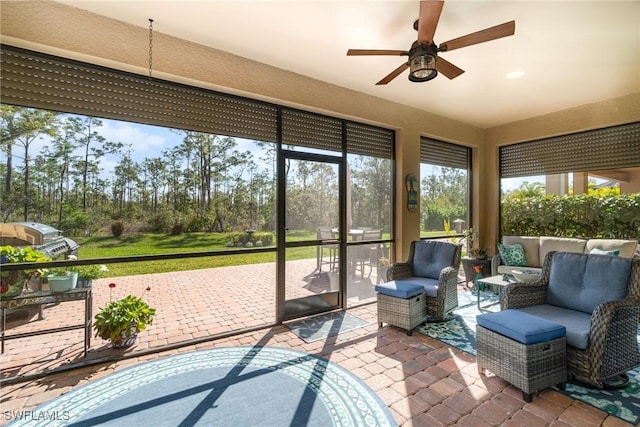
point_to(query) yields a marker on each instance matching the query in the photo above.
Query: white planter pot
(62, 283)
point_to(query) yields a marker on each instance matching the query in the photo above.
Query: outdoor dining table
(354, 233)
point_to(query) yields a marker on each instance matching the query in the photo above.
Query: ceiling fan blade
(499, 31)
(447, 68)
(428, 20)
(352, 52)
(395, 73)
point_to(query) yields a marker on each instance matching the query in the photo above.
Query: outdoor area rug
(230, 386)
(460, 332)
(325, 325)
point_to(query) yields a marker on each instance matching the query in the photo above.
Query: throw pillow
(512, 255)
(614, 252)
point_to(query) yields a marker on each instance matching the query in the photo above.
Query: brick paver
(423, 382)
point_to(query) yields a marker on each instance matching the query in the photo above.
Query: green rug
(460, 332)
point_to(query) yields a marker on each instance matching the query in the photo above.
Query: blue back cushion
(429, 258)
(583, 281)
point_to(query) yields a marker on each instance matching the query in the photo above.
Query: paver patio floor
(424, 382)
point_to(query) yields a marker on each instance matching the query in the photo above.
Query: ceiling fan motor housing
(422, 62)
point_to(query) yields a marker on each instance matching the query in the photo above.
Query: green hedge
(583, 216)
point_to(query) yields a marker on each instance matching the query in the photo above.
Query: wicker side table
(530, 366)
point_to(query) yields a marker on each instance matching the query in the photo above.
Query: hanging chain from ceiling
(150, 46)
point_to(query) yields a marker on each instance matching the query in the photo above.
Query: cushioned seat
(576, 323)
(400, 289)
(521, 326)
(429, 286)
(434, 266)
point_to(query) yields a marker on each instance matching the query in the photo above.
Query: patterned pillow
(512, 255)
(614, 252)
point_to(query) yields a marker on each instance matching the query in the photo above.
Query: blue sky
(145, 141)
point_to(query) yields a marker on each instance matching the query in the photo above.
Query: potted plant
(480, 253)
(87, 273)
(470, 235)
(120, 321)
(62, 279)
(12, 282)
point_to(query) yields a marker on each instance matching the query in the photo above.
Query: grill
(41, 237)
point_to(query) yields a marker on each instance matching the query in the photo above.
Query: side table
(468, 265)
(48, 297)
(493, 282)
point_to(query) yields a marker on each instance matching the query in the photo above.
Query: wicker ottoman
(526, 351)
(401, 304)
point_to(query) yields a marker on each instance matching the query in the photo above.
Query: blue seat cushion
(400, 289)
(577, 323)
(429, 286)
(584, 281)
(521, 326)
(431, 257)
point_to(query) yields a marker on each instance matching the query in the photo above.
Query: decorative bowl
(525, 275)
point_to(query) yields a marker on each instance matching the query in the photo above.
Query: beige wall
(633, 185)
(58, 29)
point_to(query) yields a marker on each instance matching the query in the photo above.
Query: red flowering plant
(122, 319)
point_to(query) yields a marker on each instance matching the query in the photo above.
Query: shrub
(75, 222)
(161, 222)
(117, 228)
(241, 238)
(197, 223)
(583, 216)
(177, 230)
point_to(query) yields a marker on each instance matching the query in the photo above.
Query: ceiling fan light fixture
(422, 67)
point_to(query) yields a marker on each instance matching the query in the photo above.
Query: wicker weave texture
(613, 346)
(447, 296)
(530, 368)
(404, 313)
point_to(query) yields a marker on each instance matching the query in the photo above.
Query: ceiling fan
(424, 62)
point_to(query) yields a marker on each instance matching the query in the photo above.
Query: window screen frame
(448, 154)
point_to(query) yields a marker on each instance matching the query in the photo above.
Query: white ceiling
(573, 52)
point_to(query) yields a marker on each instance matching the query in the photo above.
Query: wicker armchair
(612, 347)
(442, 293)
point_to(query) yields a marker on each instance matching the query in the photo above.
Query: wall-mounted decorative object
(412, 192)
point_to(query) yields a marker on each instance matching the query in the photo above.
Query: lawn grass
(154, 244)
(430, 234)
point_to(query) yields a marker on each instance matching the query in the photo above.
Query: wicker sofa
(536, 248)
(597, 299)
